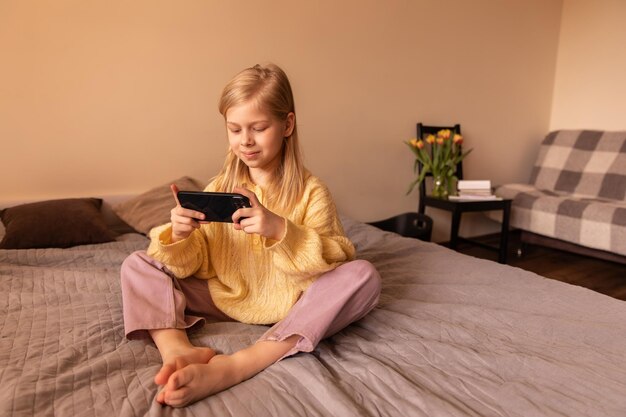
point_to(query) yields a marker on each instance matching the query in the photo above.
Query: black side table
(457, 208)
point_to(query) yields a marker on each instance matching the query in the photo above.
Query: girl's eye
(235, 130)
(259, 129)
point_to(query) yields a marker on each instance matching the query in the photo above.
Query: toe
(178, 398)
(178, 379)
(160, 398)
(164, 374)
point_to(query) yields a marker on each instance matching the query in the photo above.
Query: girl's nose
(246, 138)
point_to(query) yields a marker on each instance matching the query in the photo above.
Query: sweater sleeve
(317, 245)
(183, 258)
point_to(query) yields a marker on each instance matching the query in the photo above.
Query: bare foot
(194, 382)
(188, 384)
(180, 357)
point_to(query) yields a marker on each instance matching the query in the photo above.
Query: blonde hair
(270, 88)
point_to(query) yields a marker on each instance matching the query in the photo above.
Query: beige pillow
(153, 207)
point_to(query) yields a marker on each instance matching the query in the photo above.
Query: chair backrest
(583, 162)
(422, 132)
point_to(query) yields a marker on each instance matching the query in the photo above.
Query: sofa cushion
(592, 222)
(582, 162)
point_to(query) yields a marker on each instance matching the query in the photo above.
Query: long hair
(270, 88)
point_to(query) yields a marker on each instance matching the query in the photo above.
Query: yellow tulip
(444, 134)
(441, 155)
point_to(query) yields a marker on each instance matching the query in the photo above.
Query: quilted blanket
(453, 336)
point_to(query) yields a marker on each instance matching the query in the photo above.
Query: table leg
(504, 234)
(454, 229)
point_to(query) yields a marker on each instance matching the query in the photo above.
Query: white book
(490, 197)
(474, 185)
(475, 192)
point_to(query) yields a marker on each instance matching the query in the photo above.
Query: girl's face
(257, 137)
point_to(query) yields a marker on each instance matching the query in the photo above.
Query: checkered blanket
(577, 190)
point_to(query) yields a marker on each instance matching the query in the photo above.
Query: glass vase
(440, 186)
(443, 186)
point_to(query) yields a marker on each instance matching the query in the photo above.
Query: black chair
(415, 225)
(457, 208)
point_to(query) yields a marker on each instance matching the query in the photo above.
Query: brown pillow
(153, 207)
(54, 224)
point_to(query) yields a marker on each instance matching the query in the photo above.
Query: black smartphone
(217, 207)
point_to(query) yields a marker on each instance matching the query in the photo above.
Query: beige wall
(590, 84)
(114, 97)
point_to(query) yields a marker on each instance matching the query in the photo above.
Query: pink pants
(154, 299)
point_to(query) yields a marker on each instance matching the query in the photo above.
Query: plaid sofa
(577, 190)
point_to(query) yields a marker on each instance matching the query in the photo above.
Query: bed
(453, 335)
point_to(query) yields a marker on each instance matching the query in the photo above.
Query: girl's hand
(258, 219)
(184, 221)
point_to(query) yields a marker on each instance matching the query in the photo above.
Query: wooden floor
(605, 277)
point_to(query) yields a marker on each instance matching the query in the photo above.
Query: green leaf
(411, 186)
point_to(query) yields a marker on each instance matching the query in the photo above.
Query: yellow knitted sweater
(254, 279)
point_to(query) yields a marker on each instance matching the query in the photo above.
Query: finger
(247, 213)
(183, 229)
(193, 214)
(248, 226)
(241, 214)
(254, 201)
(182, 212)
(184, 225)
(175, 190)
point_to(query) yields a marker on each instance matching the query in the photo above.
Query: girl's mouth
(250, 155)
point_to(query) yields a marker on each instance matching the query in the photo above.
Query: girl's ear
(290, 124)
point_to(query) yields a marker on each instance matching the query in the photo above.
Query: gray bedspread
(452, 336)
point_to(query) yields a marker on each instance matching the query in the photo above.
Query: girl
(284, 261)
